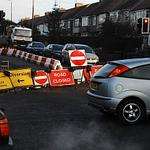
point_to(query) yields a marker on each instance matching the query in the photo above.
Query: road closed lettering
(61, 78)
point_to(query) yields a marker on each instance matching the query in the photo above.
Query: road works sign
(5, 82)
(41, 78)
(21, 77)
(77, 58)
(61, 78)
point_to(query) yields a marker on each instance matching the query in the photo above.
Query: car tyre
(131, 112)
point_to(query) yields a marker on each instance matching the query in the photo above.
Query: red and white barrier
(40, 60)
(54, 78)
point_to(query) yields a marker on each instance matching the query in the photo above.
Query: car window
(57, 48)
(84, 47)
(39, 45)
(70, 47)
(142, 72)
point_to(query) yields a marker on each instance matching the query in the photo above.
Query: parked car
(36, 48)
(123, 87)
(92, 58)
(5, 139)
(54, 51)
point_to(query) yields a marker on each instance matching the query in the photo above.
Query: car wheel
(131, 112)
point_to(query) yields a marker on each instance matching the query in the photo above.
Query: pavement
(60, 119)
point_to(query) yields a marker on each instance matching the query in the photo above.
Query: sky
(23, 8)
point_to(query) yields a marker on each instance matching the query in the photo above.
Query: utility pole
(32, 9)
(32, 16)
(11, 7)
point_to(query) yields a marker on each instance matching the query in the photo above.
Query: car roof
(134, 62)
(55, 44)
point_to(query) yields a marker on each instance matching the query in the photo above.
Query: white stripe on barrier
(33, 57)
(10, 52)
(22, 55)
(27, 55)
(39, 60)
(47, 63)
(1, 49)
(17, 53)
(57, 65)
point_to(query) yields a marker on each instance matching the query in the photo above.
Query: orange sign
(61, 78)
(89, 73)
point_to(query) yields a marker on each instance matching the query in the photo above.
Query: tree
(117, 37)
(53, 19)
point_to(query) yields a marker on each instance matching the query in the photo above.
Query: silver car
(123, 87)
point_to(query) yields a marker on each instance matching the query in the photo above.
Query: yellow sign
(5, 82)
(21, 77)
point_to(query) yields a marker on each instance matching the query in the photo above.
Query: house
(87, 20)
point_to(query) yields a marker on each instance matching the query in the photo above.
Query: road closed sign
(77, 58)
(21, 77)
(61, 77)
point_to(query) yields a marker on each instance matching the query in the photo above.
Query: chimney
(78, 5)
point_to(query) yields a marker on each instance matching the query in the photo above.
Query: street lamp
(11, 8)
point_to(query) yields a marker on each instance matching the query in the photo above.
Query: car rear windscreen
(105, 70)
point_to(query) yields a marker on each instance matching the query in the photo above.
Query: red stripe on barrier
(4, 51)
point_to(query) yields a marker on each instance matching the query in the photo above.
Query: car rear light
(118, 71)
(4, 128)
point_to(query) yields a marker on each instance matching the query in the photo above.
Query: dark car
(36, 48)
(5, 140)
(54, 51)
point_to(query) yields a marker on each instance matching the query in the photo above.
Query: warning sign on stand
(61, 77)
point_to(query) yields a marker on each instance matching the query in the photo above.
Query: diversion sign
(18, 78)
(21, 78)
(5, 82)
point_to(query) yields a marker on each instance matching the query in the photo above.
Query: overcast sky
(22, 8)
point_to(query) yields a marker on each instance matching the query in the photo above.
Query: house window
(114, 15)
(85, 21)
(62, 23)
(76, 23)
(101, 18)
(68, 24)
(94, 20)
